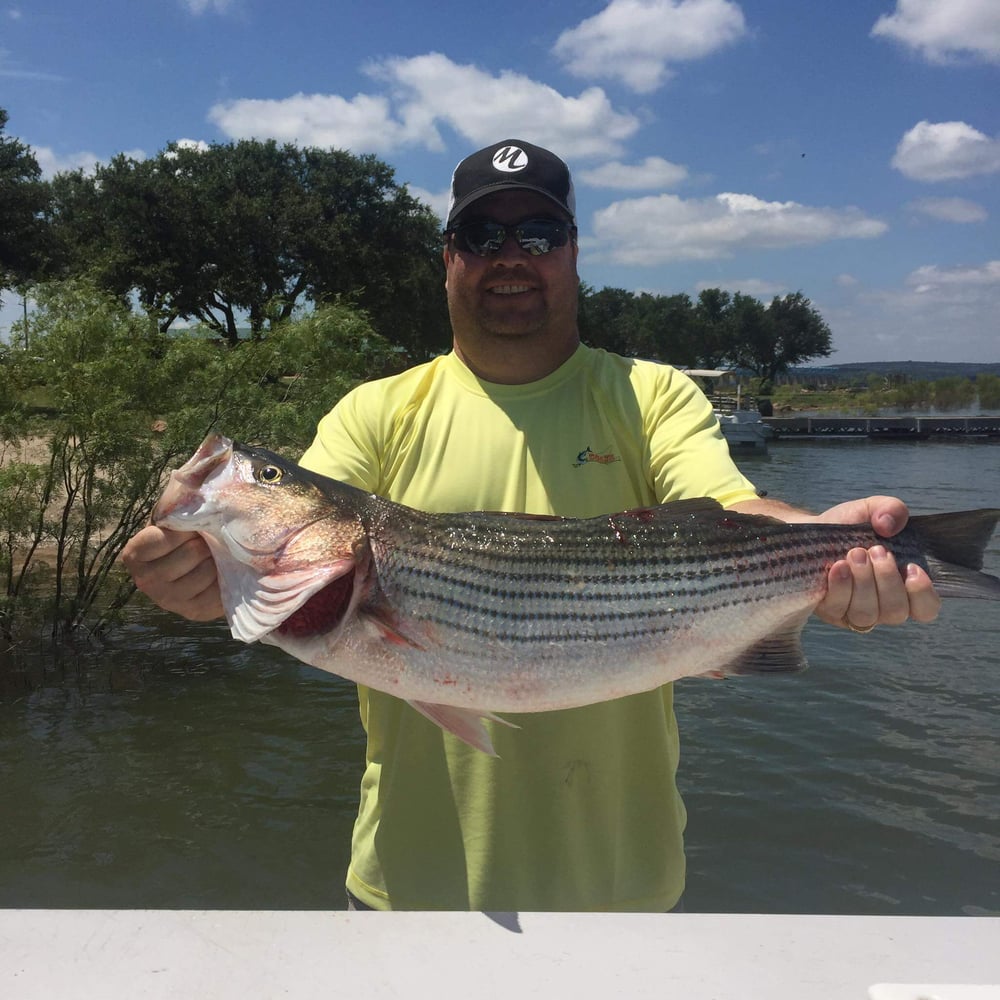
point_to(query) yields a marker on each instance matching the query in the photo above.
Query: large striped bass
(465, 615)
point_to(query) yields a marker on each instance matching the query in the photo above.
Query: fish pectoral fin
(777, 653)
(465, 723)
(382, 622)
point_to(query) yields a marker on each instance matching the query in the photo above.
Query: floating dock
(883, 428)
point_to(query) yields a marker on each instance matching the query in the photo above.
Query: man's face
(511, 293)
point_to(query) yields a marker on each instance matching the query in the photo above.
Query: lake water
(189, 771)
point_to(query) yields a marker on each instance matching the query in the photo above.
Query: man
(580, 811)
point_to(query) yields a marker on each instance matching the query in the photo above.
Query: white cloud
(937, 314)
(52, 163)
(757, 287)
(654, 172)
(931, 278)
(636, 41)
(438, 201)
(647, 231)
(941, 151)
(431, 90)
(483, 107)
(12, 69)
(942, 29)
(958, 210)
(195, 144)
(363, 123)
(200, 6)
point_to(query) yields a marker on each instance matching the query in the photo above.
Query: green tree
(248, 232)
(606, 318)
(23, 201)
(713, 328)
(667, 329)
(719, 330)
(658, 327)
(788, 332)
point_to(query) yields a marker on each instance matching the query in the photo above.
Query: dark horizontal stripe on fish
(698, 564)
(650, 629)
(648, 598)
(657, 606)
(566, 587)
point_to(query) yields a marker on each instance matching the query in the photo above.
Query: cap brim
(484, 192)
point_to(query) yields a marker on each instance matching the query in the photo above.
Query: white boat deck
(217, 955)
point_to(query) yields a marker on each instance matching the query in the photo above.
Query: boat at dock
(744, 430)
(742, 427)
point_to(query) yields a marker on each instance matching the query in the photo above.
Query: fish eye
(270, 474)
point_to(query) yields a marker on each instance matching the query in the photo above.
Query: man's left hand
(866, 588)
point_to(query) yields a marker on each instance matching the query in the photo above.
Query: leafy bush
(129, 404)
(988, 389)
(954, 392)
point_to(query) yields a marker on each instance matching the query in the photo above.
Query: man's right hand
(175, 570)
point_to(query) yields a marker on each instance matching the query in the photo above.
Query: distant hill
(926, 371)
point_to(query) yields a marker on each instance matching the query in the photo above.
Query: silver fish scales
(468, 614)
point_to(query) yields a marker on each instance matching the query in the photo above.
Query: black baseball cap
(509, 165)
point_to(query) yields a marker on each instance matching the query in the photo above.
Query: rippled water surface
(189, 771)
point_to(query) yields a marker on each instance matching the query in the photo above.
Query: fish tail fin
(954, 544)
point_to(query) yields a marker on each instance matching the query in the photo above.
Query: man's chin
(511, 331)
(512, 322)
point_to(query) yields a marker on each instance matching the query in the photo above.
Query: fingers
(887, 515)
(867, 589)
(925, 604)
(176, 571)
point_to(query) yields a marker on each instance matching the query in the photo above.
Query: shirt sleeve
(346, 443)
(688, 454)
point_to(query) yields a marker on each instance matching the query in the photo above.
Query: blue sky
(849, 150)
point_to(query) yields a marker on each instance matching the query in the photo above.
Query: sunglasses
(534, 236)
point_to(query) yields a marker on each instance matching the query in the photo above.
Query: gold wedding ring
(854, 628)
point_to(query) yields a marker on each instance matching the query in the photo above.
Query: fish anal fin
(464, 723)
(780, 652)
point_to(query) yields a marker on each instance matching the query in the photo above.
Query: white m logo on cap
(510, 159)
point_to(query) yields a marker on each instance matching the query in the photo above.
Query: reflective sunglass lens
(540, 237)
(534, 236)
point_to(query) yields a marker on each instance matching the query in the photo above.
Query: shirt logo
(510, 159)
(586, 457)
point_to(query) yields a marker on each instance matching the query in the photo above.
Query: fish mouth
(181, 495)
